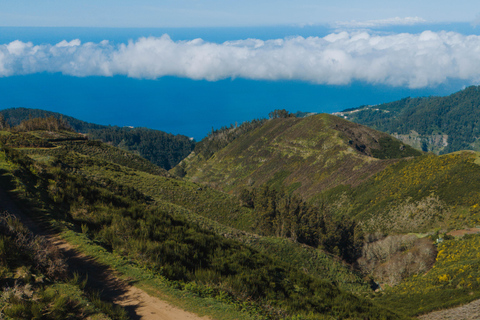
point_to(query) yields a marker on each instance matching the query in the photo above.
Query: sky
(175, 59)
(224, 13)
(355, 49)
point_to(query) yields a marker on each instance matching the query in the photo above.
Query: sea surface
(185, 106)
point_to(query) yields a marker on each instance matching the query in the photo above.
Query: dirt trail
(136, 301)
(470, 311)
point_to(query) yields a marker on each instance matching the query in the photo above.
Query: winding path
(137, 302)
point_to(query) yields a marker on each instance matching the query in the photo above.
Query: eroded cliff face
(434, 143)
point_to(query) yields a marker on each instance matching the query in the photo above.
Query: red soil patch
(461, 233)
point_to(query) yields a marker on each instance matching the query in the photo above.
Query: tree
(280, 113)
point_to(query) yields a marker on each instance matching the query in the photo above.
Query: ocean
(184, 106)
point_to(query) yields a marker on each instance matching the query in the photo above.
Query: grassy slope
(209, 208)
(159, 147)
(163, 189)
(452, 181)
(421, 194)
(306, 156)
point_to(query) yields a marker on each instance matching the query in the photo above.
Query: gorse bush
(17, 242)
(453, 280)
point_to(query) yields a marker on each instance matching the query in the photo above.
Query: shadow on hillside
(100, 277)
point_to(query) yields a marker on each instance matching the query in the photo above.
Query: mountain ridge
(437, 124)
(308, 155)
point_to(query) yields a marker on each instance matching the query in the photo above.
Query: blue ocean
(185, 106)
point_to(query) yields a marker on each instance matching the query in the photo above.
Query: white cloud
(397, 21)
(411, 60)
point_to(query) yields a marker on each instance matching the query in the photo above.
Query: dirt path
(470, 311)
(136, 301)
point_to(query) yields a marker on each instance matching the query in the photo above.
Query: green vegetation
(34, 283)
(163, 149)
(422, 122)
(286, 216)
(454, 280)
(307, 196)
(420, 194)
(218, 139)
(127, 222)
(306, 156)
(383, 185)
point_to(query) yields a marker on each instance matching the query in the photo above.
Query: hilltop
(303, 155)
(437, 124)
(375, 189)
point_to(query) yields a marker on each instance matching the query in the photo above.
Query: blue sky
(202, 13)
(315, 55)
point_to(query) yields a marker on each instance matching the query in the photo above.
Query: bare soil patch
(470, 311)
(461, 233)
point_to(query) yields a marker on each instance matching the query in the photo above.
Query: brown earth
(461, 233)
(137, 302)
(470, 311)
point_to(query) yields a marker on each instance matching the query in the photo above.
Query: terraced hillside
(162, 149)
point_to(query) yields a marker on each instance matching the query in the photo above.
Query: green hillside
(421, 194)
(261, 248)
(163, 149)
(144, 218)
(303, 155)
(437, 124)
(401, 201)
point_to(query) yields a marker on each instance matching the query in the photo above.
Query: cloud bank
(408, 60)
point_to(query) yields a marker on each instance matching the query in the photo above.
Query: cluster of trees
(163, 149)
(280, 113)
(48, 124)
(285, 215)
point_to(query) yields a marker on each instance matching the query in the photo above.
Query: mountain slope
(161, 148)
(438, 124)
(423, 194)
(67, 186)
(305, 156)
